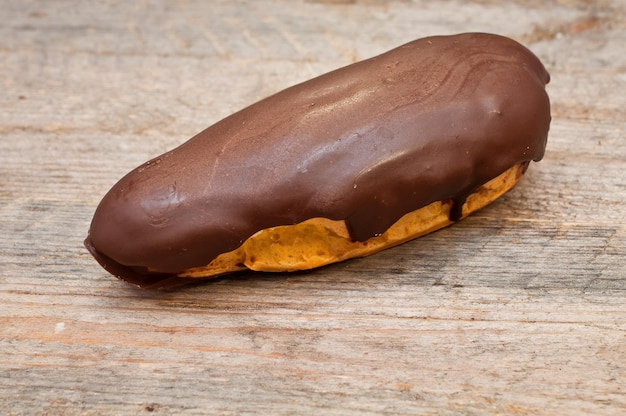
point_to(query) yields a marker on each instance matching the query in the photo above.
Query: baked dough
(319, 241)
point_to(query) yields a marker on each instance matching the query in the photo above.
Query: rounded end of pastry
(138, 277)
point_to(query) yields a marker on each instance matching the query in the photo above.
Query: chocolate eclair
(343, 165)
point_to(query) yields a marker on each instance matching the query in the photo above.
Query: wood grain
(519, 309)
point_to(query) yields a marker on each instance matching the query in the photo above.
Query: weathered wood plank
(519, 309)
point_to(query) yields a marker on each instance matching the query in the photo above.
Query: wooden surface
(520, 309)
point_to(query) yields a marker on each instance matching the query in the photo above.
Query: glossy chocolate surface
(431, 120)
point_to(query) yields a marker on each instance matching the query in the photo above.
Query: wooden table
(519, 309)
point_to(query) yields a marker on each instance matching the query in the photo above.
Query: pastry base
(319, 241)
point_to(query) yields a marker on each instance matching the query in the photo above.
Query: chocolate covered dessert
(343, 165)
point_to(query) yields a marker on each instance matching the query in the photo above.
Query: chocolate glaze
(428, 121)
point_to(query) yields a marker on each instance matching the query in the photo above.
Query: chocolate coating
(431, 120)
